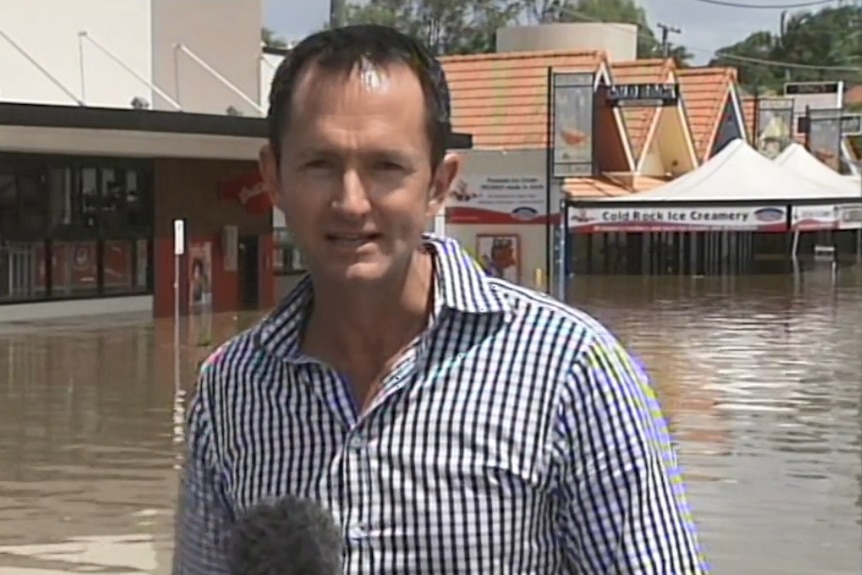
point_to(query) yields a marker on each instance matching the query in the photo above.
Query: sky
(705, 27)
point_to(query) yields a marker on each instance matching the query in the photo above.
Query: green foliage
(469, 27)
(831, 37)
(271, 40)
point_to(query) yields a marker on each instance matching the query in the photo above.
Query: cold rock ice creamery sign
(500, 200)
(678, 219)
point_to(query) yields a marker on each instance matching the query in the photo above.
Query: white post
(179, 250)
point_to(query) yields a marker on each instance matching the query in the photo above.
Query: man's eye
(388, 166)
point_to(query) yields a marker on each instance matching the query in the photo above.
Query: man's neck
(370, 324)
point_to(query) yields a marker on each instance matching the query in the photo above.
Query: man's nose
(353, 197)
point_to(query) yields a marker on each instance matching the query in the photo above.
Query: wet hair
(345, 49)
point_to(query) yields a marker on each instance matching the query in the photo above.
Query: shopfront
(74, 227)
(87, 201)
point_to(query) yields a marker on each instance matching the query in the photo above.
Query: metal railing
(51, 77)
(84, 35)
(183, 49)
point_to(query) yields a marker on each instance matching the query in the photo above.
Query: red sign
(249, 191)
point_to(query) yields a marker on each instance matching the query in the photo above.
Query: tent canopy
(798, 160)
(738, 172)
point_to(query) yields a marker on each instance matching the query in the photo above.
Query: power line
(760, 61)
(727, 4)
(750, 60)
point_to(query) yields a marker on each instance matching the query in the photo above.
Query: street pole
(666, 31)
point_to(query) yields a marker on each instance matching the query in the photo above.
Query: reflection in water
(760, 378)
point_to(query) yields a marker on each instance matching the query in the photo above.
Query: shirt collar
(460, 287)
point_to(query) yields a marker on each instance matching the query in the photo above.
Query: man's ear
(268, 165)
(446, 175)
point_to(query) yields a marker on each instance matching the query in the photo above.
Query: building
(503, 100)
(116, 119)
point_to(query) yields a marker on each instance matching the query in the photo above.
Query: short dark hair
(343, 50)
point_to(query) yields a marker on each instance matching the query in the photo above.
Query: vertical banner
(824, 136)
(774, 125)
(200, 293)
(571, 124)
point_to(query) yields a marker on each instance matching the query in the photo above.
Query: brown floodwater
(761, 379)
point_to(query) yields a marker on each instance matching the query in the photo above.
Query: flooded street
(760, 377)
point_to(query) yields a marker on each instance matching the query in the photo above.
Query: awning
(79, 130)
(738, 189)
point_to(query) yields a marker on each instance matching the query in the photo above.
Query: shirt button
(356, 443)
(356, 532)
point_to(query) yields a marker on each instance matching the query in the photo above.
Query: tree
(827, 43)
(271, 40)
(446, 26)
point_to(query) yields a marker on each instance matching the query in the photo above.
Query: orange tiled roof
(705, 91)
(853, 96)
(748, 115)
(608, 187)
(501, 99)
(638, 120)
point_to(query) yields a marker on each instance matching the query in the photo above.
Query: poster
(200, 293)
(774, 125)
(824, 136)
(502, 199)
(572, 122)
(499, 255)
(200, 275)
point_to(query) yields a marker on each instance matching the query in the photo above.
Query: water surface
(760, 377)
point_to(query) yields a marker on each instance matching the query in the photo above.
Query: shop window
(61, 206)
(74, 269)
(22, 271)
(8, 202)
(71, 228)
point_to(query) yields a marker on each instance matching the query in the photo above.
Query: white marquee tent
(738, 172)
(798, 160)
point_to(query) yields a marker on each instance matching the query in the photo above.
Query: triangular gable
(615, 153)
(636, 121)
(668, 148)
(730, 125)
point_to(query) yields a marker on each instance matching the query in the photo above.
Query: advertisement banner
(501, 199)
(572, 115)
(824, 136)
(677, 219)
(830, 217)
(774, 125)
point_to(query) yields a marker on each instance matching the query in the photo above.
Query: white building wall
(225, 35)
(48, 31)
(268, 65)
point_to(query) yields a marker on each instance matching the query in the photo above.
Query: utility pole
(336, 13)
(666, 31)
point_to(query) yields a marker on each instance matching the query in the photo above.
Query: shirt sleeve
(203, 520)
(624, 506)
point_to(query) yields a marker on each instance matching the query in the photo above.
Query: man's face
(354, 178)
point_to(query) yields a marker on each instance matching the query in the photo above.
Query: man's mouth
(352, 239)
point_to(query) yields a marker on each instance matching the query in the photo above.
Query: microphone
(288, 536)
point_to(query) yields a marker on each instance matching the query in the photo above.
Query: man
(451, 422)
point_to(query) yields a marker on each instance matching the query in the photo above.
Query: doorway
(249, 272)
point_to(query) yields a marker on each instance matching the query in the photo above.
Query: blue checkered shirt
(515, 437)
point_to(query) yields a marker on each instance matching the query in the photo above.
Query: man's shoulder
(238, 355)
(549, 318)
